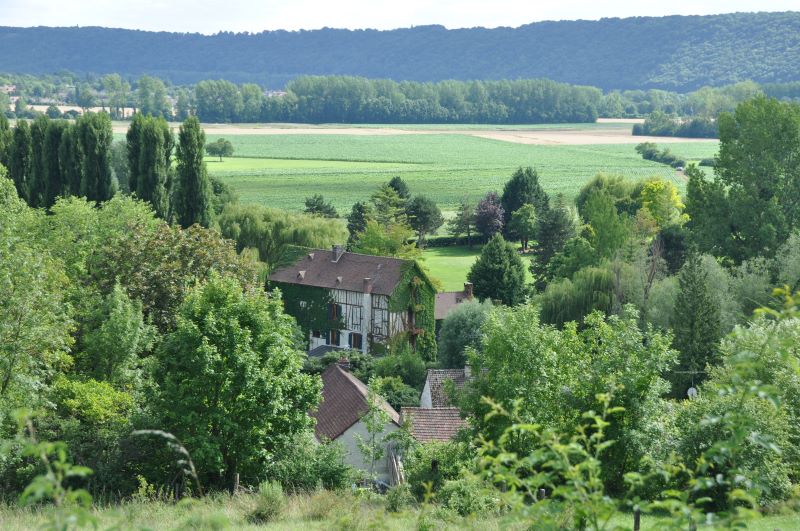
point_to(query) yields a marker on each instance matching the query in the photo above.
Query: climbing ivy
(310, 306)
(416, 294)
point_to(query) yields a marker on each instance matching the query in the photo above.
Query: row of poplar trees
(48, 159)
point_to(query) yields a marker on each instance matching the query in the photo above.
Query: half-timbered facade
(358, 293)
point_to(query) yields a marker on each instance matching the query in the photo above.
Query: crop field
(281, 170)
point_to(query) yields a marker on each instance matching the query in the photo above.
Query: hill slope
(679, 53)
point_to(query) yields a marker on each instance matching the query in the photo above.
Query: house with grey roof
(346, 300)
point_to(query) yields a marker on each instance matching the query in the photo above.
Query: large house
(346, 300)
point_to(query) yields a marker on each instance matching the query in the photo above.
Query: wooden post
(235, 483)
(637, 519)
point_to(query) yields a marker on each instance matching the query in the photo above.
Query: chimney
(338, 251)
(467, 372)
(367, 285)
(468, 290)
(344, 363)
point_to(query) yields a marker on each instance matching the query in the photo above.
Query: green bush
(269, 503)
(307, 465)
(399, 497)
(434, 463)
(467, 496)
(405, 364)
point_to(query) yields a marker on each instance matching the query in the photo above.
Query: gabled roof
(436, 424)
(447, 301)
(344, 402)
(436, 382)
(318, 268)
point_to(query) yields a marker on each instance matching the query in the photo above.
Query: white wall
(353, 455)
(426, 400)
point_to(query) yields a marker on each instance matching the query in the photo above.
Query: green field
(450, 265)
(282, 170)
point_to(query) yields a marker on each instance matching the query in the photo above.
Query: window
(334, 311)
(356, 341)
(333, 338)
(316, 333)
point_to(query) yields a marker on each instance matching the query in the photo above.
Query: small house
(339, 418)
(344, 300)
(433, 424)
(434, 393)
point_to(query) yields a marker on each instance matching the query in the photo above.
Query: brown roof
(437, 424)
(448, 300)
(344, 402)
(437, 378)
(317, 268)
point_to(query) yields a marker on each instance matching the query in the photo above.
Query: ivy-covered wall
(416, 293)
(310, 306)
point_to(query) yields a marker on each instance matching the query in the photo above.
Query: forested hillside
(680, 53)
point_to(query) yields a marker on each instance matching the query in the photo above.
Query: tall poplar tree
(37, 186)
(133, 140)
(70, 159)
(192, 200)
(155, 152)
(20, 158)
(697, 326)
(55, 184)
(6, 138)
(94, 131)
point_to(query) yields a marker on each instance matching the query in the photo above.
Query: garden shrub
(269, 503)
(399, 497)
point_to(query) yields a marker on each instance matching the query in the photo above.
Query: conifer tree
(357, 220)
(523, 189)
(192, 202)
(498, 273)
(697, 326)
(555, 226)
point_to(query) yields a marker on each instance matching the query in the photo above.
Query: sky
(212, 16)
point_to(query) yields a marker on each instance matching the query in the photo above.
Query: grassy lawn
(320, 511)
(282, 170)
(450, 265)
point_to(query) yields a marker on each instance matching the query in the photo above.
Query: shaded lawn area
(450, 265)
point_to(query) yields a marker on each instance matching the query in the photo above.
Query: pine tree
(523, 189)
(400, 187)
(357, 220)
(317, 206)
(555, 226)
(697, 326)
(20, 159)
(192, 202)
(498, 273)
(464, 221)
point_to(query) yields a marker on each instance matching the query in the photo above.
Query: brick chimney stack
(338, 251)
(344, 363)
(468, 290)
(367, 285)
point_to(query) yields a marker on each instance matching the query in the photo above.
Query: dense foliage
(610, 53)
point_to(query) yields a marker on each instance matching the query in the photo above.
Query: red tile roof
(436, 381)
(436, 424)
(344, 402)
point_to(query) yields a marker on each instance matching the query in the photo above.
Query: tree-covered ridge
(673, 52)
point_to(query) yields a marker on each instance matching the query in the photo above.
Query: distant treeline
(660, 124)
(344, 99)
